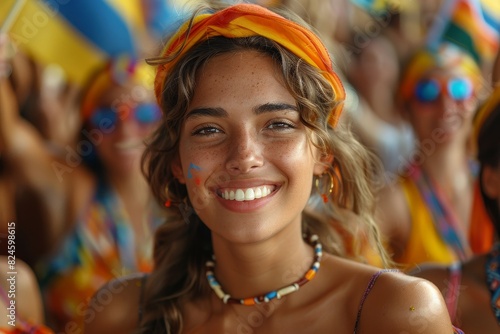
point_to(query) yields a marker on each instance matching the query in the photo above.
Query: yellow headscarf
(117, 72)
(447, 56)
(244, 20)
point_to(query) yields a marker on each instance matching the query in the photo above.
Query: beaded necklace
(493, 279)
(265, 298)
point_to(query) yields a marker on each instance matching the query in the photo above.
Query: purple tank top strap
(453, 292)
(369, 288)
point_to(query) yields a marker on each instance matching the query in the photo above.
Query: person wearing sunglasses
(471, 288)
(433, 211)
(97, 218)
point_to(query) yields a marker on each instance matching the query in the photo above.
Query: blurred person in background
(430, 213)
(98, 217)
(374, 73)
(472, 288)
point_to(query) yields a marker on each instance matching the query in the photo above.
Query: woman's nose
(245, 153)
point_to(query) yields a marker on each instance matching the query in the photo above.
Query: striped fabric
(473, 25)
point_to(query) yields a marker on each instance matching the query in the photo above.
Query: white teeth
(240, 195)
(248, 194)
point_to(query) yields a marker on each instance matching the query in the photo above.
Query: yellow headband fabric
(485, 111)
(118, 71)
(447, 56)
(245, 20)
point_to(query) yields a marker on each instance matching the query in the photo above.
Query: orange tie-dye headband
(244, 20)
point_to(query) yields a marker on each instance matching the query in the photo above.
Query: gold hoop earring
(329, 189)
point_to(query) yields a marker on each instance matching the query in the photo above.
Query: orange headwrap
(447, 56)
(244, 20)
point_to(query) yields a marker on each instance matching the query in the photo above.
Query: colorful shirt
(100, 247)
(434, 234)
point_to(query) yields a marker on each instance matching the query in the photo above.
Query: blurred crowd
(77, 104)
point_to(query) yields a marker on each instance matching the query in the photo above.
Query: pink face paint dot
(197, 181)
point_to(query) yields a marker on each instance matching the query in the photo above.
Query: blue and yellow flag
(80, 36)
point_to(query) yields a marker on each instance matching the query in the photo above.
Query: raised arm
(32, 164)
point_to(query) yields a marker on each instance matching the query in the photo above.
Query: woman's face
(244, 154)
(123, 117)
(445, 117)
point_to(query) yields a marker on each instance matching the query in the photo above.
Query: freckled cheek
(199, 165)
(291, 155)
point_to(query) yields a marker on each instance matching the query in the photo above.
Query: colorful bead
(287, 290)
(265, 298)
(310, 274)
(248, 301)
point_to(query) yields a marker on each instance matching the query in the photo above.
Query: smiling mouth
(246, 194)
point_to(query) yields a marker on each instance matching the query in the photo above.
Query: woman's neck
(246, 271)
(446, 163)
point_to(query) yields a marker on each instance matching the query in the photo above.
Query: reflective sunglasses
(429, 90)
(144, 114)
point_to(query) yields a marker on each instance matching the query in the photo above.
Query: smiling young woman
(251, 108)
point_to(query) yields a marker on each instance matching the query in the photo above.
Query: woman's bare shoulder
(115, 307)
(400, 303)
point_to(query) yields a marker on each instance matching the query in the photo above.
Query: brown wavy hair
(488, 154)
(183, 243)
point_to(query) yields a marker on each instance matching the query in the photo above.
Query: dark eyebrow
(215, 112)
(219, 112)
(270, 107)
